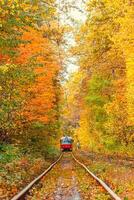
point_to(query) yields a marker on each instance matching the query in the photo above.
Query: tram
(66, 143)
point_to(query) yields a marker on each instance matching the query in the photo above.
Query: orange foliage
(43, 91)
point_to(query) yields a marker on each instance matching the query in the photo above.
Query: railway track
(22, 194)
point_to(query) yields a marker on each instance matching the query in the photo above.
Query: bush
(52, 152)
(8, 153)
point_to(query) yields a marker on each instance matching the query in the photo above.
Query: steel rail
(104, 185)
(22, 193)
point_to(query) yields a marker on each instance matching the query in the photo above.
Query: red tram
(66, 143)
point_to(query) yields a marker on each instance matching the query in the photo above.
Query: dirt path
(67, 181)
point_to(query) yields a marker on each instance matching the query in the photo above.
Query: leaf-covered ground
(18, 168)
(67, 181)
(118, 173)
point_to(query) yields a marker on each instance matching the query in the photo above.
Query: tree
(102, 50)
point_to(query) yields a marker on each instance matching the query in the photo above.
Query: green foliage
(100, 115)
(96, 90)
(98, 83)
(102, 196)
(126, 198)
(38, 125)
(52, 152)
(119, 190)
(8, 153)
(111, 143)
(97, 98)
(13, 78)
(98, 168)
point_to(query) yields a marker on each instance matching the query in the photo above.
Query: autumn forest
(66, 68)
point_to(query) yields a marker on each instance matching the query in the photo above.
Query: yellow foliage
(83, 132)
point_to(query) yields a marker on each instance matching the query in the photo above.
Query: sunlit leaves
(104, 47)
